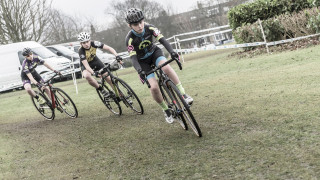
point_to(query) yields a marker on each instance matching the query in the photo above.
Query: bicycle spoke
(110, 102)
(169, 99)
(66, 103)
(184, 110)
(128, 96)
(44, 109)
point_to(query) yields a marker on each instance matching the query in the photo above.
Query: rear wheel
(183, 109)
(128, 96)
(65, 102)
(111, 102)
(169, 99)
(44, 109)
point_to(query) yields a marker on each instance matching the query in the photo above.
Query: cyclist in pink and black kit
(29, 74)
(144, 53)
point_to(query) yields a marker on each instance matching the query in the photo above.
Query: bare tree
(22, 20)
(62, 28)
(151, 10)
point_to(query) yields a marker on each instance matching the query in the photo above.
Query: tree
(154, 14)
(62, 28)
(22, 20)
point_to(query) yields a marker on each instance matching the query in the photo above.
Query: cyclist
(90, 63)
(29, 74)
(144, 53)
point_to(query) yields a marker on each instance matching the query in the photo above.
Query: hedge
(281, 27)
(249, 13)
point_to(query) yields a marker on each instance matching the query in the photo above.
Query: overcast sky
(95, 8)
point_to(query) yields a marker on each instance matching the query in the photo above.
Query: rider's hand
(175, 55)
(142, 75)
(57, 72)
(95, 73)
(118, 58)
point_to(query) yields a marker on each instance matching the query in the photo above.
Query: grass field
(260, 119)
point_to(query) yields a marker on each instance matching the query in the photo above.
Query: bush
(265, 9)
(282, 27)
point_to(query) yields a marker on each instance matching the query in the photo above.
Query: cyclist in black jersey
(90, 63)
(144, 53)
(29, 74)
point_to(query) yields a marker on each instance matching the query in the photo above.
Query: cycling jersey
(90, 54)
(29, 66)
(141, 46)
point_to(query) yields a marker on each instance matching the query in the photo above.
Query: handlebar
(106, 67)
(161, 66)
(49, 80)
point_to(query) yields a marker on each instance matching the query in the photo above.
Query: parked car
(65, 52)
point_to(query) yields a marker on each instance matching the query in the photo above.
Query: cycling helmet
(83, 37)
(26, 51)
(134, 15)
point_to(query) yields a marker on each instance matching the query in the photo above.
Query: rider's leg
(174, 77)
(29, 90)
(90, 79)
(155, 90)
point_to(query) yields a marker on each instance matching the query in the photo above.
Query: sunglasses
(28, 55)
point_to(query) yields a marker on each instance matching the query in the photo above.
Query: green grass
(260, 119)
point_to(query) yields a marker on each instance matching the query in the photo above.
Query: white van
(11, 59)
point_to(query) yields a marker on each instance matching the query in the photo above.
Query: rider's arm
(166, 44)
(110, 49)
(86, 65)
(48, 66)
(31, 78)
(157, 34)
(132, 54)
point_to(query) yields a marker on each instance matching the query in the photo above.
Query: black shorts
(152, 60)
(25, 79)
(95, 65)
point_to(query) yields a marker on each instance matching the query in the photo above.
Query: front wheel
(170, 100)
(65, 102)
(46, 109)
(111, 102)
(184, 109)
(128, 96)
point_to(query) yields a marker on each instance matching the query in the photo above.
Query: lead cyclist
(144, 53)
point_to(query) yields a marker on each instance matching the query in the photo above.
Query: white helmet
(83, 37)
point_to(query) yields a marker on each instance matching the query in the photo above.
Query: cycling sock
(100, 88)
(181, 89)
(163, 105)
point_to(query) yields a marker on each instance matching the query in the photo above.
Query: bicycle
(174, 99)
(59, 100)
(122, 92)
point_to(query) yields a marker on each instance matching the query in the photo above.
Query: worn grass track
(260, 119)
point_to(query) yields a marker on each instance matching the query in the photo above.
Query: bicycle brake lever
(179, 64)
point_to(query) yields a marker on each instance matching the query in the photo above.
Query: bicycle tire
(111, 102)
(127, 94)
(170, 102)
(45, 110)
(185, 111)
(65, 102)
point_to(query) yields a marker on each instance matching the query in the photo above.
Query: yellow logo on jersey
(90, 54)
(144, 44)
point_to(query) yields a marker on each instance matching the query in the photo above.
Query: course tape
(213, 47)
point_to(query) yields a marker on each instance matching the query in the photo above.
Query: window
(21, 57)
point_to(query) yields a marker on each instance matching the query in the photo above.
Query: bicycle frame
(50, 86)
